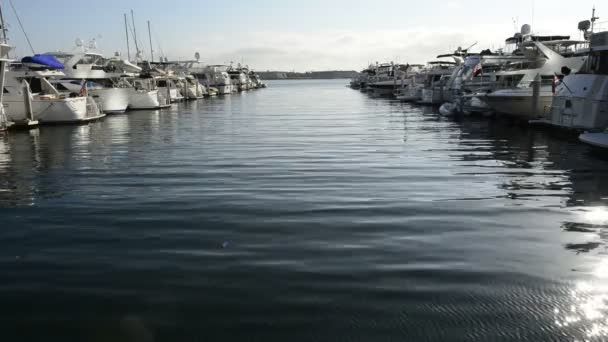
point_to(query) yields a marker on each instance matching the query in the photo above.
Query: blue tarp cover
(47, 60)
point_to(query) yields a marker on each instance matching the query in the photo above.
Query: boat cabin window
(162, 83)
(509, 80)
(88, 59)
(61, 87)
(535, 64)
(547, 79)
(596, 63)
(35, 85)
(6, 91)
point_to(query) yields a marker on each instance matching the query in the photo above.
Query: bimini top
(518, 38)
(42, 61)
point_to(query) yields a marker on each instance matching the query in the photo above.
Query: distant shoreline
(313, 75)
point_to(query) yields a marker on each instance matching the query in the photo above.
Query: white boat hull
(595, 139)
(580, 103)
(432, 97)
(410, 94)
(519, 103)
(144, 100)
(194, 92)
(174, 94)
(69, 110)
(224, 89)
(112, 100)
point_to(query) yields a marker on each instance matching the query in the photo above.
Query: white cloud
(338, 49)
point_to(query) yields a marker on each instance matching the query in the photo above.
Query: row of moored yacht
(83, 85)
(547, 80)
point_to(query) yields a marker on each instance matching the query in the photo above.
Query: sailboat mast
(3, 26)
(127, 34)
(134, 33)
(150, 37)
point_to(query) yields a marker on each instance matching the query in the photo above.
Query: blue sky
(289, 34)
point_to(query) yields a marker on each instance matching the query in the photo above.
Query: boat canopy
(518, 38)
(442, 62)
(42, 61)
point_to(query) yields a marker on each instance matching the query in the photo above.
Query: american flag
(83, 89)
(477, 69)
(556, 81)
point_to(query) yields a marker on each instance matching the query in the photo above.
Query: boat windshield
(88, 59)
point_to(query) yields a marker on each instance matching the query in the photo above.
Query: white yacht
(256, 80)
(193, 88)
(28, 94)
(366, 76)
(240, 78)
(167, 80)
(513, 91)
(586, 104)
(386, 79)
(143, 92)
(172, 86)
(411, 88)
(438, 74)
(86, 64)
(475, 75)
(410, 85)
(581, 98)
(214, 76)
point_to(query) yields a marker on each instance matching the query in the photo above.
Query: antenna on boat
(533, 8)
(127, 34)
(134, 34)
(150, 37)
(593, 19)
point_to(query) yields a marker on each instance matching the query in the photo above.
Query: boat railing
(490, 85)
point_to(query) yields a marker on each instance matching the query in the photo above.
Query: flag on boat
(83, 90)
(477, 70)
(556, 81)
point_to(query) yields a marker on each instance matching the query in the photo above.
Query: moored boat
(29, 95)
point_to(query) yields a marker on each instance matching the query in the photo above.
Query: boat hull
(112, 100)
(599, 140)
(144, 100)
(519, 104)
(432, 97)
(225, 89)
(69, 110)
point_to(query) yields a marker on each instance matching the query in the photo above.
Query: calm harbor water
(302, 212)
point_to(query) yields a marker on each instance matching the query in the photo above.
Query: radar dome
(584, 25)
(526, 29)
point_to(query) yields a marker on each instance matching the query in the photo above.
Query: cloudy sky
(299, 35)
